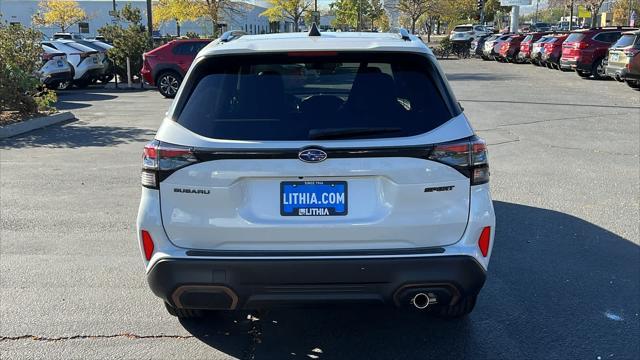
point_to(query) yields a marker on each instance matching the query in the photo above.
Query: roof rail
(231, 35)
(404, 34)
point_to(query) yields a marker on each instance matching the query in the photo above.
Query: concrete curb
(33, 124)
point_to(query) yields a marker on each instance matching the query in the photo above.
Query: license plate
(59, 63)
(615, 57)
(313, 198)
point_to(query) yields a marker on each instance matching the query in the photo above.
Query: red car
(526, 45)
(553, 51)
(165, 66)
(510, 48)
(585, 51)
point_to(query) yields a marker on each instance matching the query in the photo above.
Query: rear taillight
(631, 52)
(581, 45)
(159, 158)
(467, 156)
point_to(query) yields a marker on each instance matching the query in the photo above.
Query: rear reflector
(483, 241)
(147, 244)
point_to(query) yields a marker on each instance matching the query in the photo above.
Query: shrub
(130, 42)
(20, 60)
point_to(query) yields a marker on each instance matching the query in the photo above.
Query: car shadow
(481, 77)
(78, 99)
(76, 135)
(558, 287)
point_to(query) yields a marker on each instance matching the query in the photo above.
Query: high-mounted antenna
(314, 30)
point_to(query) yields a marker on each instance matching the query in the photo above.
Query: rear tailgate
(284, 172)
(389, 203)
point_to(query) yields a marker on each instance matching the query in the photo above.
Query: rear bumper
(147, 76)
(621, 72)
(250, 284)
(568, 64)
(58, 77)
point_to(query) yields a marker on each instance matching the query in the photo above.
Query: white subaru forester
(315, 168)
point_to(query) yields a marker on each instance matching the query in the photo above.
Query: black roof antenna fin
(314, 30)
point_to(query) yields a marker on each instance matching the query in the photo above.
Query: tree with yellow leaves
(178, 10)
(60, 13)
(292, 10)
(621, 11)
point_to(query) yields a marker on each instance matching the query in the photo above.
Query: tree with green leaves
(414, 9)
(129, 42)
(375, 12)
(20, 60)
(288, 10)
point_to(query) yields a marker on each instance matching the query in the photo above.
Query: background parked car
(526, 45)
(107, 72)
(492, 48)
(510, 47)
(585, 51)
(84, 60)
(67, 36)
(477, 45)
(165, 66)
(540, 27)
(487, 45)
(624, 62)
(537, 49)
(55, 68)
(468, 32)
(553, 51)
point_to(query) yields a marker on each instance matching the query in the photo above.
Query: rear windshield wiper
(345, 133)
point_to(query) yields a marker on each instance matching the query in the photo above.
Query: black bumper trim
(289, 253)
(265, 283)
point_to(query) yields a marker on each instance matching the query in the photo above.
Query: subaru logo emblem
(312, 155)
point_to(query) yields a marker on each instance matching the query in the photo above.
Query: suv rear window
(574, 37)
(625, 40)
(300, 97)
(462, 28)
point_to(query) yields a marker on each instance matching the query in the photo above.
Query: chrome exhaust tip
(420, 301)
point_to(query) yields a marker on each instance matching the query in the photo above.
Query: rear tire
(183, 313)
(462, 308)
(168, 83)
(597, 71)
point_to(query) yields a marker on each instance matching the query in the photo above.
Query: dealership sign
(515, 2)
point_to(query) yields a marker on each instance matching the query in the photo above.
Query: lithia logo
(192, 191)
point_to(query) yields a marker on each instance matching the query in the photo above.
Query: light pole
(536, 16)
(149, 22)
(571, 17)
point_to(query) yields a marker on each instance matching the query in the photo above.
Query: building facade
(98, 13)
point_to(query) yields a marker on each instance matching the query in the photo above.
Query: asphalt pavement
(564, 279)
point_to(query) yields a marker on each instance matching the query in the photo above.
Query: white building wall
(22, 11)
